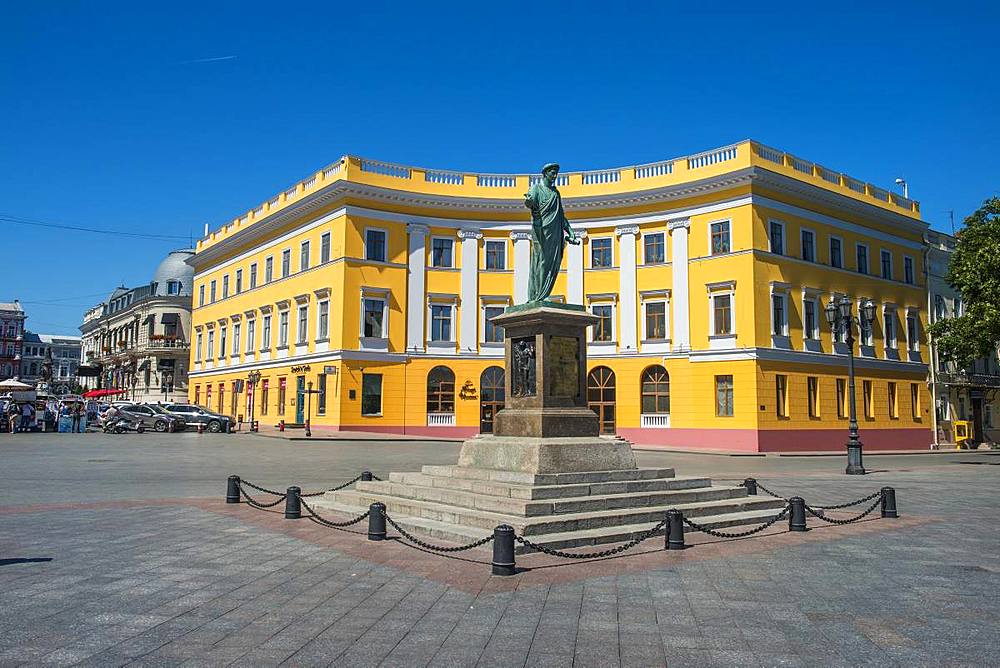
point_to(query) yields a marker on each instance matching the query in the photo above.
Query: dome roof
(175, 268)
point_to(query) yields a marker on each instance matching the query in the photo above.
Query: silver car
(154, 417)
(214, 422)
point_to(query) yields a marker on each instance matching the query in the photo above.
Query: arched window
(491, 397)
(655, 390)
(601, 397)
(441, 390)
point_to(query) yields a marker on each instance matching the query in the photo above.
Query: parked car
(154, 417)
(214, 422)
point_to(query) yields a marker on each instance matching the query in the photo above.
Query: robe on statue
(549, 228)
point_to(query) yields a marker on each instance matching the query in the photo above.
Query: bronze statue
(549, 231)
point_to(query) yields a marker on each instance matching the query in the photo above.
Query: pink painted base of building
(778, 440)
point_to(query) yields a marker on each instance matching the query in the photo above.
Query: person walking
(27, 410)
(77, 413)
(12, 413)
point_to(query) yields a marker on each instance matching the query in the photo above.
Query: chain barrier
(316, 517)
(594, 555)
(740, 534)
(866, 513)
(838, 506)
(257, 504)
(259, 488)
(333, 489)
(434, 548)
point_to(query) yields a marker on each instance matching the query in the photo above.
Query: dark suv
(153, 416)
(192, 415)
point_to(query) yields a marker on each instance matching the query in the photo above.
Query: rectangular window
(836, 253)
(812, 395)
(886, 257)
(492, 333)
(211, 292)
(908, 270)
(441, 322)
(375, 247)
(915, 400)
(323, 326)
(210, 351)
(321, 396)
(722, 309)
(912, 329)
(222, 342)
(302, 331)
(222, 398)
(286, 262)
(778, 321)
(269, 270)
(603, 328)
(225, 286)
(263, 396)
(197, 394)
(781, 395)
(253, 275)
(724, 396)
(371, 394)
(889, 318)
(281, 395)
(862, 259)
(841, 397)
(600, 252)
(283, 329)
(239, 281)
(304, 256)
(251, 334)
(496, 255)
(810, 326)
(197, 348)
(441, 252)
(236, 340)
(656, 321)
(869, 399)
(324, 250)
(373, 315)
(893, 405)
(208, 396)
(653, 248)
(720, 238)
(808, 241)
(234, 400)
(265, 334)
(201, 295)
(777, 238)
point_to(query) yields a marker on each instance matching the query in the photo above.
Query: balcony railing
(970, 379)
(655, 421)
(440, 419)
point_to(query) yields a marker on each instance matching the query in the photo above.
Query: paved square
(120, 551)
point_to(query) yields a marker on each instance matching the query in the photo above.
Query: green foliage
(975, 272)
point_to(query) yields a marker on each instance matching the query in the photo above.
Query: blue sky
(160, 117)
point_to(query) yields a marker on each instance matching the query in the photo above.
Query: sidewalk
(327, 434)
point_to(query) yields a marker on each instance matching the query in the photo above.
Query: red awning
(93, 394)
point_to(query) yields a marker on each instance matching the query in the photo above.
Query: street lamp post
(841, 319)
(309, 394)
(252, 379)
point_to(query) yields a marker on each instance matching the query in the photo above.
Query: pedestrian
(12, 413)
(77, 413)
(26, 412)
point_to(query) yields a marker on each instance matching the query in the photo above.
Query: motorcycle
(120, 425)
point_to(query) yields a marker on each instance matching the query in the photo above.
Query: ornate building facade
(139, 338)
(374, 285)
(12, 319)
(65, 352)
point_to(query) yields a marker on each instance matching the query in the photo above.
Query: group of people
(20, 417)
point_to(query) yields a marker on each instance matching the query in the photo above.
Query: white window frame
(655, 297)
(866, 340)
(908, 259)
(777, 290)
(222, 343)
(268, 269)
(225, 286)
(251, 335)
(198, 347)
(210, 348)
(729, 222)
(201, 295)
(815, 245)
(430, 250)
(914, 345)
(486, 245)
(603, 300)
(283, 321)
(266, 332)
(252, 276)
(238, 282)
(234, 348)
(721, 341)
(484, 303)
(325, 247)
(868, 258)
(650, 233)
(380, 343)
(212, 291)
(385, 244)
(286, 252)
(590, 255)
(301, 337)
(304, 245)
(829, 251)
(892, 269)
(887, 310)
(451, 301)
(322, 335)
(784, 237)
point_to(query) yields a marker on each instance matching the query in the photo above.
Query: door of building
(300, 399)
(491, 397)
(601, 397)
(977, 421)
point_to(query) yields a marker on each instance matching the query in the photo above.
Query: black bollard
(797, 517)
(503, 550)
(889, 502)
(366, 476)
(751, 485)
(293, 509)
(233, 489)
(675, 530)
(376, 521)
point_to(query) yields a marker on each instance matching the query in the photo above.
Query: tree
(975, 272)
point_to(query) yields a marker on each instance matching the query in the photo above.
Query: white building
(65, 352)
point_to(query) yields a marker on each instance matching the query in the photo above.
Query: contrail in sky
(206, 60)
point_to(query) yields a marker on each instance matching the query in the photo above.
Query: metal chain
(847, 521)
(332, 489)
(767, 491)
(259, 488)
(593, 555)
(316, 517)
(435, 548)
(833, 507)
(257, 504)
(741, 534)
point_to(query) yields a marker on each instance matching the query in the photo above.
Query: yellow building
(374, 283)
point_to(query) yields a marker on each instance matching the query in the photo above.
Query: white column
(469, 320)
(679, 258)
(522, 265)
(415, 285)
(574, 270)
(627, 340)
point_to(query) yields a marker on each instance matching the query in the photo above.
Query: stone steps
(368, 492)
(536, 479)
